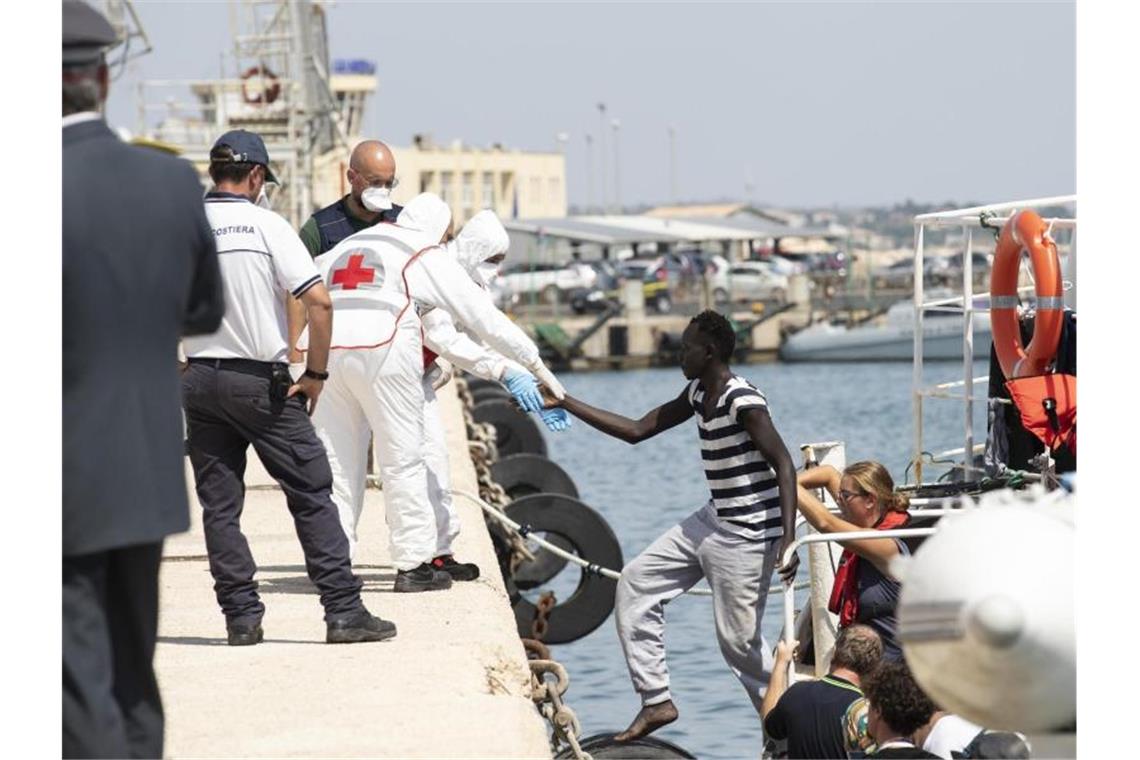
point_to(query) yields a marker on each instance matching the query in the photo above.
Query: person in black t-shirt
(810, 713)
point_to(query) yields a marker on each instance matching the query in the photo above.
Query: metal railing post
(789, 588)
(916, 381)
(968, 345)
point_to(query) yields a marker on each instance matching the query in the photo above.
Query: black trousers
(226, 412)
(111, 704)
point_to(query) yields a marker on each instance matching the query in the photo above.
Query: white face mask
(377, 198)
(486, 272)
(263, 199)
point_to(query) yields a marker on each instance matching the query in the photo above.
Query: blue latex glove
(524, 388)
(556, 420)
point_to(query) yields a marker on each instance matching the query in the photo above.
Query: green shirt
(311, 237)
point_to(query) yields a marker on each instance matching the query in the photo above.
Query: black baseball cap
(86, 34)
(247, 147)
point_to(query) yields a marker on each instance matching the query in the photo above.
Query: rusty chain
(541, 624)
(536, 650)
(547, 696)
(484, 453)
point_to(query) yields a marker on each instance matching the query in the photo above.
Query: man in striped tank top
(734, 540)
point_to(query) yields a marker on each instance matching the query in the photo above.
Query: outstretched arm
(441, 336)
(668, 415)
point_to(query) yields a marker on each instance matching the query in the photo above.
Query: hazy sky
(844, 103)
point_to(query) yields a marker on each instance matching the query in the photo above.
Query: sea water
(643, 490)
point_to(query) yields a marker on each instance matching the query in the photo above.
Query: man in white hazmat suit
(379, 279)
(480, 249)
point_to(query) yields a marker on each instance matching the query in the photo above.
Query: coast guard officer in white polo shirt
(237, 391)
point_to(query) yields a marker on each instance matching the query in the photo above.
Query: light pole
(673, 164)
(602, 152)
(616, 123)
(589, 172)
(562, 138)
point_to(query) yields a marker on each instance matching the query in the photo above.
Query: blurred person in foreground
(809, 714)
(735, 540)
(139, 270)
(947, 735)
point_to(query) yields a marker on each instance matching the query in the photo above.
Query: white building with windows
(515, 184)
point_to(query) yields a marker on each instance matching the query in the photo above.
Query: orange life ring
(1026, 231)
(269, 92)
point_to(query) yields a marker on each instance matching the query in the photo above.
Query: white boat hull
(942, 339)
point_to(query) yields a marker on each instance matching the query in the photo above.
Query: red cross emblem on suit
(355, 269)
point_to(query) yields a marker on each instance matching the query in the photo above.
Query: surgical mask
(263, 199)
(377, 198)
(486, 272)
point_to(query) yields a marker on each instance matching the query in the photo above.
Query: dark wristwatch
(314, 375)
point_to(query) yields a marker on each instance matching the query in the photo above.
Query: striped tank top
(745, 496)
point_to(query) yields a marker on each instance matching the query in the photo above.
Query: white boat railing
(972, 215)
(968, 219)
(815, 538)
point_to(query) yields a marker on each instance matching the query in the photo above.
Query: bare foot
(651, 718)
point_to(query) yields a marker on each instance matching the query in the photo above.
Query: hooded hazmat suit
(379, 280)
(482, 238)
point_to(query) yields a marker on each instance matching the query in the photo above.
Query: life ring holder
(269, 93)
(1026, 231)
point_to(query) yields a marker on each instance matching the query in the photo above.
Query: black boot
(244, 634)
(422, 578)
(358, 626)
(459, 571)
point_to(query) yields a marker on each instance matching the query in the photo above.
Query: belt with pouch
(245, 366)
(277, 373)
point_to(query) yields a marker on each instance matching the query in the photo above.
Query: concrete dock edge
(453, 683)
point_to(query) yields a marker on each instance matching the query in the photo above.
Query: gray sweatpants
(738, 571)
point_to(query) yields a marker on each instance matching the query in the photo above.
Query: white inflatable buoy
(986, 613)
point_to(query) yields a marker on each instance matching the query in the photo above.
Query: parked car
(548, 281)
(951, 271)
(899, 274)
(936, 271)
(827, 265)
(659, 276)
(753, 281)
(785, 266)
(603, 293)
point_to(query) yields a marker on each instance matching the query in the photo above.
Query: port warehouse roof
(629, 229)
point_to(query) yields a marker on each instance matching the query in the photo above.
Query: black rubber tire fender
(492, 392)
(515, 431)
(648, 747)
(474, 382)
(523, 475)
(591, 538)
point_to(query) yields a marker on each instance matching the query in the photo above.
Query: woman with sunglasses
(865, 591)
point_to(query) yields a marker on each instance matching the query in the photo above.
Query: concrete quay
(454, 682)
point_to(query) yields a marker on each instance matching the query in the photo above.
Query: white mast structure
(277, 84)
